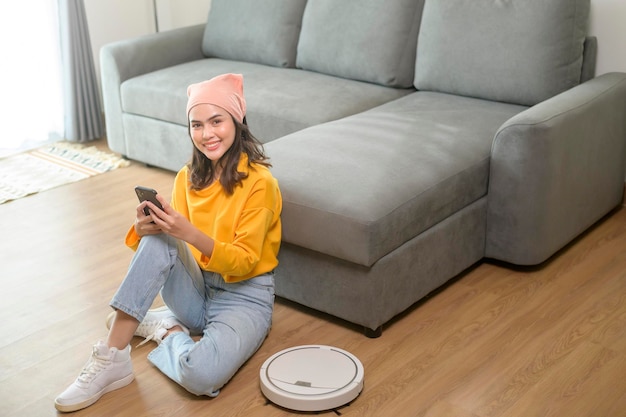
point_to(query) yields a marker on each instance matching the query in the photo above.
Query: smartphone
(149, 194)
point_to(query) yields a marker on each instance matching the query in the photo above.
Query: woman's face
(212, 130)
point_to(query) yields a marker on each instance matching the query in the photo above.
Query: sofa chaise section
(394, 204)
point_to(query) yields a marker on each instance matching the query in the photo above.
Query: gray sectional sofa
(410, 138)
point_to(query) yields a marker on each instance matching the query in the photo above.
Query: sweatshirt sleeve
(132, 238)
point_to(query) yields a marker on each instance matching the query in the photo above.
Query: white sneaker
(108, 369)
(155, 324)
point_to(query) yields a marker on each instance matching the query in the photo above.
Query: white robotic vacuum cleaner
(311, 378)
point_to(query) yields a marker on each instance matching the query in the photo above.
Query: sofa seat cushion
(279, 100)
(359, 187)
(516, 51)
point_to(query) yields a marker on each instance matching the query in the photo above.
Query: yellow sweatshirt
(245, 226)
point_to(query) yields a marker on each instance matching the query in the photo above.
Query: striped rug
(51, 166)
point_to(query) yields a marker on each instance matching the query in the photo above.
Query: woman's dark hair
(201, 169)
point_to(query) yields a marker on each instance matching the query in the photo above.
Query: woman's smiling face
(212, 130)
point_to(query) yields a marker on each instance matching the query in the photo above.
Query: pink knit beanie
(225, 91)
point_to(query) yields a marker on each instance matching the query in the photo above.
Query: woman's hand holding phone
(155, 215)
(148, 208)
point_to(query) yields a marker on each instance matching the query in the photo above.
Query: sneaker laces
(94, 366)
(155, 330)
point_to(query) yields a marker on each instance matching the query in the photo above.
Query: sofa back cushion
(515, 51)
(260, 31)
(365, 40)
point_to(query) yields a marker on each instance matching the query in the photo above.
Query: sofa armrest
(122, 60)
(556, 168)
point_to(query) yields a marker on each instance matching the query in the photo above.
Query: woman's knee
(202, 381)
(213, 361)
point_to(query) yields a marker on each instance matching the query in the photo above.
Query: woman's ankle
(173, 329)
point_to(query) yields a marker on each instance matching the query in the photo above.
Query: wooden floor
(497, 341)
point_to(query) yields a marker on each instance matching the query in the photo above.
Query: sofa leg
(373, 334)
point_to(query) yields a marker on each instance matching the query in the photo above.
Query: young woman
(211, 253)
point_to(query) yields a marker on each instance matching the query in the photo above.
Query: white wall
(114, 20)
(607, 22)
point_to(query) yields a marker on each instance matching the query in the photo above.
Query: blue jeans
(233, 318)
